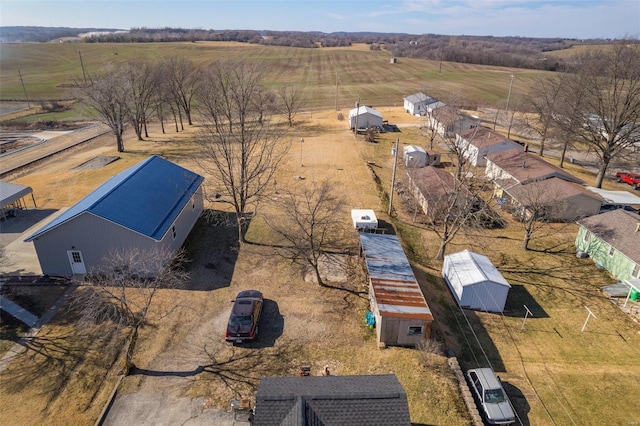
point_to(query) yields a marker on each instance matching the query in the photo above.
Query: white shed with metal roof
(475, 282)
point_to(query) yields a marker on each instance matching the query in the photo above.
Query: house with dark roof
(477, 143)
(152, 205)
(331, 400)
(612, 240)
(529, 183)
(435, 189)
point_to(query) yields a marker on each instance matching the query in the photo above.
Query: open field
(49, 70)
(555, 373)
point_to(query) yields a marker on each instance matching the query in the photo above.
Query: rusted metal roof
(394, 286)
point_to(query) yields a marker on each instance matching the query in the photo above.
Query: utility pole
(393, 175)
(508, 99)
(336, 90)
(357, 113)
(24, 90)
(84, 74)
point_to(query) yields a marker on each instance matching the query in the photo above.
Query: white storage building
(414, 156)
(364, 117)
(475, 282)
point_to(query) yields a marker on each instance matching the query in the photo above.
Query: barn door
(77, 262)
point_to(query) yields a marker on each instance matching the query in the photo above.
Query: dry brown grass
(561, 373)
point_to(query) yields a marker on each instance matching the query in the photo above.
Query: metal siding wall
(184, 223)
(93, 236)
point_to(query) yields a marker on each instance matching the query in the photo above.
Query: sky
(524, 18)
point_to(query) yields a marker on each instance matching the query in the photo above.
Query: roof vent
(524, 164)
(638, 227)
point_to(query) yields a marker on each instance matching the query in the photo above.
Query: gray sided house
(331, 400)
(152, 205)
(612, 240)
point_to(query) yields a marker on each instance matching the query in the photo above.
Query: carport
(12, 198)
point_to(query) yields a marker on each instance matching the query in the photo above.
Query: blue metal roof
(145, 198)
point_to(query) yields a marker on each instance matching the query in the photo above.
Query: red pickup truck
(632, 179)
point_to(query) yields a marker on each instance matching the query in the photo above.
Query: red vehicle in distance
(632, 179)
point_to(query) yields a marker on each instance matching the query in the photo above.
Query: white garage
(475, 282)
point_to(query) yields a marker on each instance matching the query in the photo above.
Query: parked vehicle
(632, 179)
(490, 396)
(245, 316)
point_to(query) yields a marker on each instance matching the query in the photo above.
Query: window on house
(173, 229)
(586, 237)
(611, 251)
(415, 330)
(636, 271)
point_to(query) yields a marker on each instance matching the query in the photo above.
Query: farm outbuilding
(364, 219)
(475, 282)
(402, 316)
(150, 206)
(364, 117)
(414, 156)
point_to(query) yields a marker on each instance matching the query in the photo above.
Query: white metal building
(364, 117)
(414, 156)
(475, 282)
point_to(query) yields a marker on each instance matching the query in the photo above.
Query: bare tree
(449, 204)
(142, 80)
(545, 104)
(537, 204)
(608, 108)
(121, 294)
(291, 102)
(182, 78)
(237, 147)
(310, 222)
(109, 99)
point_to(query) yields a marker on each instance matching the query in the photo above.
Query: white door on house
(77, 262)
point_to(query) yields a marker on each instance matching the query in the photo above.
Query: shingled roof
(618, 228)
(526, 168)
(331, 400)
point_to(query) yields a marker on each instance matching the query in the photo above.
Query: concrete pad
(161, 409)
(20, 258)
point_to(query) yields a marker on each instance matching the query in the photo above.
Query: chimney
(524, 163)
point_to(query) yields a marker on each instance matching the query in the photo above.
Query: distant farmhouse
(152, 205)
(421, 104)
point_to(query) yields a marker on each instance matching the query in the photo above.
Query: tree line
(518, 52)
